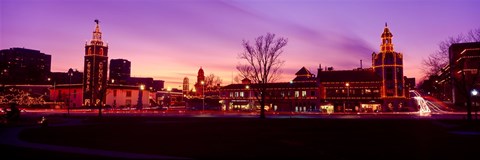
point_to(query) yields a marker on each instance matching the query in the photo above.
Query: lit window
(368, 91)
(297, 93)
(241, 94)
(304, 93)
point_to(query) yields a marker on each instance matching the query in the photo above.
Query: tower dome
(200, 72)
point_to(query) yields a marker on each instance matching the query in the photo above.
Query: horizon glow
(170, 40)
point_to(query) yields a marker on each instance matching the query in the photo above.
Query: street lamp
(247, 87)
(474, 94)
(203, 95)
(169, 96)
(140, 95)
(54, 94)
(70, 74)
(348, 93)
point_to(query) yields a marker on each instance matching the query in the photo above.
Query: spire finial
(387, 45)
(97, 35)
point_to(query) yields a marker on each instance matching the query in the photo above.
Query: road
(435, 114)
(429, 104)
(429, 108)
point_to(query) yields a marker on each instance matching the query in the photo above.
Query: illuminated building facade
(350, 90)
(95, 70)
(388, 64)
(24, 66)
(66, 90)
(464, 58)
(117, 96)
(448, 84)
(76, 77)
(186, 86)
(200, 84)
(70, 95)
(381, 88)
(121, 96)
(119, 71)
(299, 95)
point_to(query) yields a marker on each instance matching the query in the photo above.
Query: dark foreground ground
(251, 138)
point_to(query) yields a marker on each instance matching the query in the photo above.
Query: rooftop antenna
(361, 64)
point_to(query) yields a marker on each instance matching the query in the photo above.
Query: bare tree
(237, 79)
(439, 59)
(474, 35)
(212, 82)
(263, 64)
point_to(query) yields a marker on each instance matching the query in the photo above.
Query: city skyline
(170, 40)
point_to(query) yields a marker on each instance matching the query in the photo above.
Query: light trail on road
(426, 107)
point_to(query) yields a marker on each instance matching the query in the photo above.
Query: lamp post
(140, 95)
(247, 87)
(203, 95)
(474, 94)
(194, 93)
(4, 76)
(348, 94)
(54, 94)
(70, 74)
(169, 96)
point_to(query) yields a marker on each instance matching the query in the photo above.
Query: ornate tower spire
(95, 70)
(387, 45)
(388, 64)
(97, 35)
(200, 84)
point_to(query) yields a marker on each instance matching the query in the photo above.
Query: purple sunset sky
(170, 39)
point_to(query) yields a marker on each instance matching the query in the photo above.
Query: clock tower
(95, 70)
(388, 64)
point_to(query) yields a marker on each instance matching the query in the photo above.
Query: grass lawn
(250, 138)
